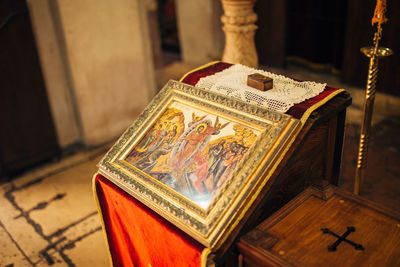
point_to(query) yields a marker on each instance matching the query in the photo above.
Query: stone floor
(48, 216)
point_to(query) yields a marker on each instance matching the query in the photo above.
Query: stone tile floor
(48, 216)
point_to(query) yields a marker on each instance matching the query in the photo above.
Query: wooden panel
(27, 133)
(359, 33)
(323, 136)
(298, 169)
(301, 242)
(270, 35)
(315, 30)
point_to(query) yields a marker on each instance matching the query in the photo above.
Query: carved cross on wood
(341, 238)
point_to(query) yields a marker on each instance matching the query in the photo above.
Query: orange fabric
(137, 236)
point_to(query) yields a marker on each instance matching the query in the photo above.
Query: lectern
(197, 169)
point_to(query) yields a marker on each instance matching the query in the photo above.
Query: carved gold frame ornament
(209, 226)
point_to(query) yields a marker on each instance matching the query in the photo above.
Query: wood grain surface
(299, 241)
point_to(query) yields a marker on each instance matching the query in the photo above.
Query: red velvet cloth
(296, 111)
(137, 236)
(195, 76)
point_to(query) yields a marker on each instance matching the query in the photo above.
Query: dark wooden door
(312, 30)
(270, 36)
(27, 134)
(330, 34)
(359, 33)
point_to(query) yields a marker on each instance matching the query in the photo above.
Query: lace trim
(285, 92)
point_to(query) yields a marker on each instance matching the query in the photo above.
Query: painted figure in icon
(187, 155)
(192, 154)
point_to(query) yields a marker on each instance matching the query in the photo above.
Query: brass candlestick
(368, 110)
(374, 53)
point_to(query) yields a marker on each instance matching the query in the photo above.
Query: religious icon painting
(192, 151)
(198, 158)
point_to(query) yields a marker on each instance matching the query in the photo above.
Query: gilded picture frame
(198, 158)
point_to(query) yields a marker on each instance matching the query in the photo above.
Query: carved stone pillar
(239, 28)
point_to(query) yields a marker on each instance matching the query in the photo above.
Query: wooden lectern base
(325, 227)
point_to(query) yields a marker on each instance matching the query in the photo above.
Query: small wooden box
(259, 82)
(325, 226)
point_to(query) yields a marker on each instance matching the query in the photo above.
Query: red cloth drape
(137, 236)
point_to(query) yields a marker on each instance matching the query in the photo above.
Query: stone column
(239, 28)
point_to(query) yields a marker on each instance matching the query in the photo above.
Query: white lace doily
(285, 92)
